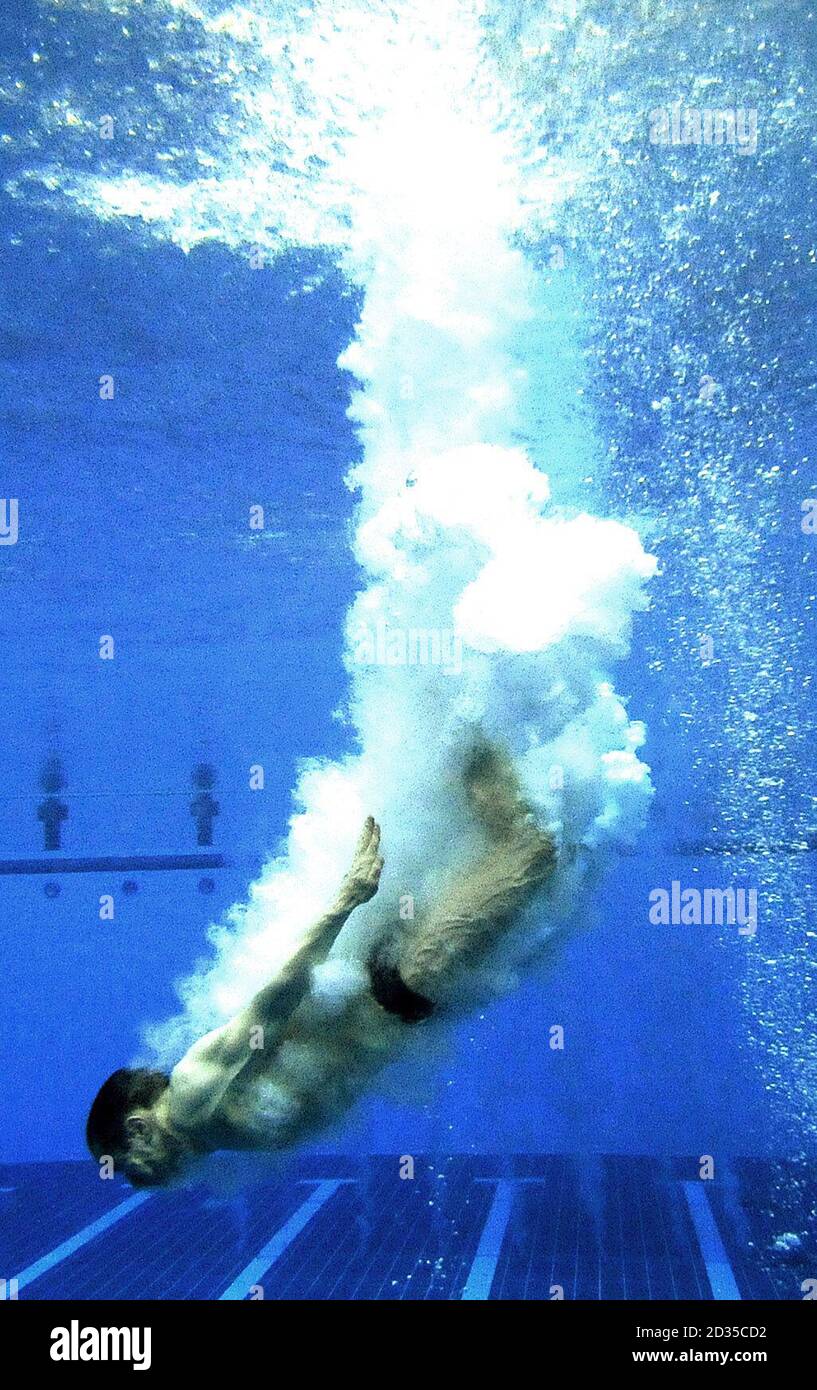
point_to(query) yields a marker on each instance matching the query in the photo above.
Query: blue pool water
(215, 257)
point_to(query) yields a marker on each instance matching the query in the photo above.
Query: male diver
(281, 1068)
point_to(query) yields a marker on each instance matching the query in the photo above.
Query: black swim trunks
(393, 994)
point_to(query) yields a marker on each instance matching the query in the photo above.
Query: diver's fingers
(372, 874)
(369, 825)
(372, 856)
(362, 881)
(369, 840)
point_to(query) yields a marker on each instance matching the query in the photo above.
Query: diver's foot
(493, 789)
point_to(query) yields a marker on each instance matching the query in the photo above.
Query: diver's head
(126, 1124)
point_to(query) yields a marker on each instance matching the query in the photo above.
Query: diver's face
(153, 1155)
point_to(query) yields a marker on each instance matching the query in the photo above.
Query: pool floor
(462, 1227)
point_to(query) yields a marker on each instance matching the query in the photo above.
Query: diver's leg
(492, 788)
(477, 906)
(481, 900)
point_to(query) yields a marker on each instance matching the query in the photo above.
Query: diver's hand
(361, 882)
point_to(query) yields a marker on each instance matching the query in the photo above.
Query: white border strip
(718, 1269)
(74, 1243)
(481, 1276)
(275, 1247)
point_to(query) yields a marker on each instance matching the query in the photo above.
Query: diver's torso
(312, 1076)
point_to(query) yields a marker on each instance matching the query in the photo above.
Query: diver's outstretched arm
(200, 1079)
(359, 885)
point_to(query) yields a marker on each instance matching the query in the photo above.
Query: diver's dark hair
(128, 1089)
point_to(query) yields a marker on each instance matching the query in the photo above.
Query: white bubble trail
(456, 531)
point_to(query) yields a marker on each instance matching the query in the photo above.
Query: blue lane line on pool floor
(718, 1269)
(74, 1243)
(275, 1247)
(481, 1275)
